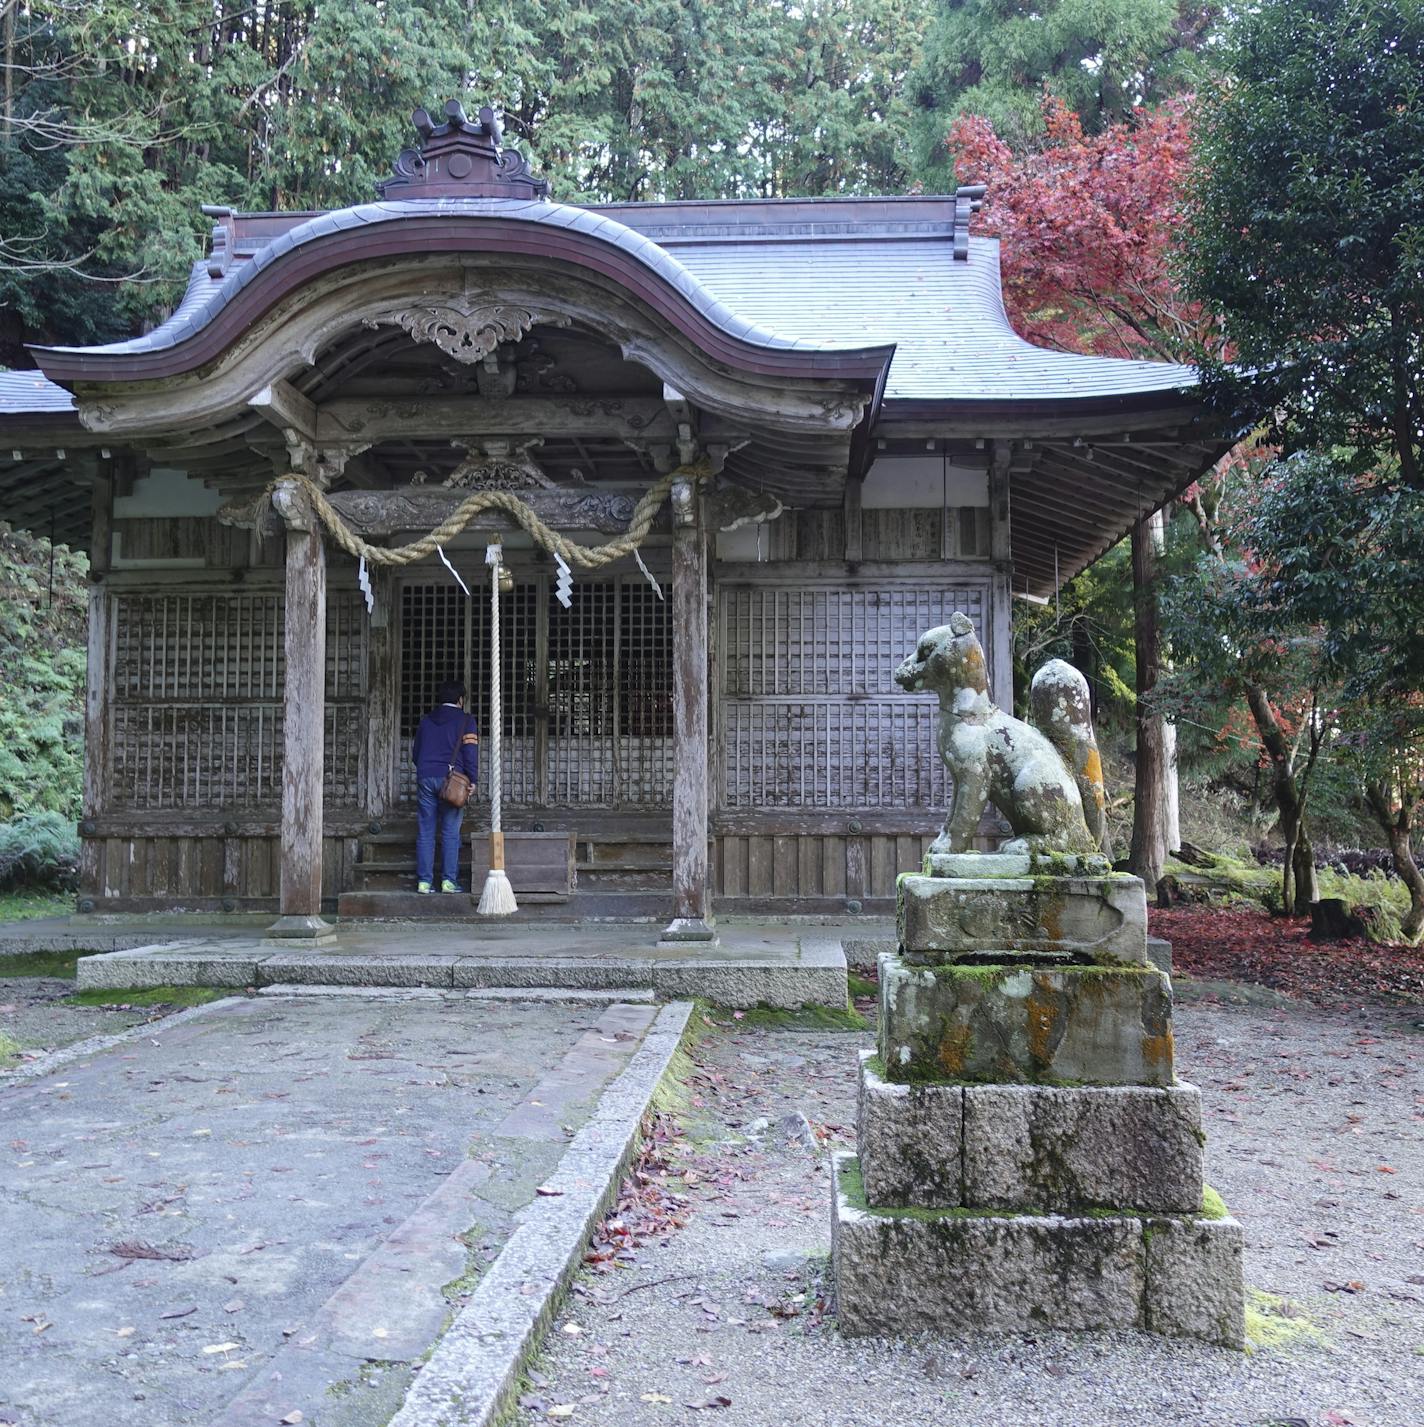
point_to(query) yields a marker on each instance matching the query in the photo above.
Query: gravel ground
(1316, 1126)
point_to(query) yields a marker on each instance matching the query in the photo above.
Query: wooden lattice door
(586, 691)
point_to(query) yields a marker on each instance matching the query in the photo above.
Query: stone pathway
(1316, 1140)
(273, 1205)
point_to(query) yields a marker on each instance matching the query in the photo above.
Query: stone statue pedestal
(1027, 1158)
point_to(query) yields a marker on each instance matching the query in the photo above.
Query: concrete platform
(753, 964)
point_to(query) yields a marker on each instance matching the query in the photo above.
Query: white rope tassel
(497, 900)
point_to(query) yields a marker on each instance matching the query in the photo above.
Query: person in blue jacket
(447, 738)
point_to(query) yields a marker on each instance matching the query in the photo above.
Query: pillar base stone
(682, 930)
(303, 931)
(964, 1270)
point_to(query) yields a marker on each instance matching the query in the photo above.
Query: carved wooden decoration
(464, 329)
(461, 158)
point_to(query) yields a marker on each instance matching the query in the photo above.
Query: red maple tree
(1088, 224)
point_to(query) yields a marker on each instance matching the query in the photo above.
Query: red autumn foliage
(1244, 944)
(1088, 223)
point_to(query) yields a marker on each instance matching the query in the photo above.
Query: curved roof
(219, 305)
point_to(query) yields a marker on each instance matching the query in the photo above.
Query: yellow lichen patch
(1093, 771)
(1275, 1322)
(954, 1050)
(1157, 1052)
(1043, 1013)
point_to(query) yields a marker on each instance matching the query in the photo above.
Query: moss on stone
(1213, 1206)
(807, 1018)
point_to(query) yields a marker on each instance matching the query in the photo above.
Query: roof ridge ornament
(461, 158)
(968, 200)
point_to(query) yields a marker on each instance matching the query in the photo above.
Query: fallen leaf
(710, 1404)
(221, 1347)
(654, 1397)
(564, 1409)
(179, 1312)
(138, 1249)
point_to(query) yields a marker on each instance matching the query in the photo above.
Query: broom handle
(496, 727)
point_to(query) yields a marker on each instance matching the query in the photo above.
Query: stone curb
(538, 995)
(475, 1366)
(82, 1050)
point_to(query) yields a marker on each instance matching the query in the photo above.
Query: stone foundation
(1027, 1159)
(1016, 1146)
(899, 1273)
(1033, 1024)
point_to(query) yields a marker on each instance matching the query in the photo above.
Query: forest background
(117, 120)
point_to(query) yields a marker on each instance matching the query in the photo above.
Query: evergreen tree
(995, 59)
(125, 117)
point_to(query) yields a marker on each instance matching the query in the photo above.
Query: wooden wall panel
(200, 871)
(814, 871)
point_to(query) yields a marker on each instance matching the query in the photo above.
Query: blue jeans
(429, 809)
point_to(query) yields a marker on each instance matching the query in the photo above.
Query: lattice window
(195, 701)
(644, 747)
(811, 715)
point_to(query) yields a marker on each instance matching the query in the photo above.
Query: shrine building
(863, 446)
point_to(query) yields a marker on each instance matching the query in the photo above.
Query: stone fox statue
(1036, 777)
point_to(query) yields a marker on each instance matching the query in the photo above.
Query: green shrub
(43, 614)
(38, 849)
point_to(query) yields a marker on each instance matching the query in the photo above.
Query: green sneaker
(448, 886)
(424, 888)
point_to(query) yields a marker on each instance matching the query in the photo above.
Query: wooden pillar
(692, 914)
(1000, 614)
(1148, 843)
(303, 724)
(97, 762)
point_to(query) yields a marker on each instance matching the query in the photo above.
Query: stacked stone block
(1027, 1158)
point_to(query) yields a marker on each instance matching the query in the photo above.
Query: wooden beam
(422, 508)
(368, 420)
(854, 526)
(286, 408)
(692, 914)
(96, 687)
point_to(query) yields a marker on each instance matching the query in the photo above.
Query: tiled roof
(953, 340)
(31, 391)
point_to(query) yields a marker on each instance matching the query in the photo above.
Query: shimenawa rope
(584, 557)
